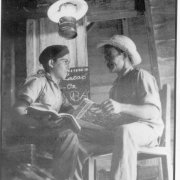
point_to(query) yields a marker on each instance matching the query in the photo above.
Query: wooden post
(151, 43)
(91, 168)
(81, 44)
(125, 26)
(32, 46)
(12, 74)
(8, 78)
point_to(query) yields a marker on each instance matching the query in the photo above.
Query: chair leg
(167, 167)
(91, 168)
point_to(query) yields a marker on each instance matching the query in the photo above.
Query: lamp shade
(66, 13)
(61, 8)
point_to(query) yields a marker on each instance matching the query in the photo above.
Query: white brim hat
(125, 44)
(57, 10)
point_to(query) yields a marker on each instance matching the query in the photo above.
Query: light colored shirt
(40, 88)
(138, 87)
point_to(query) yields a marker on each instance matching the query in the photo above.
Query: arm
(146, 111)
(148, 102)
(21, 117)
(28, 94)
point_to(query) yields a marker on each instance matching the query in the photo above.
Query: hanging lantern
(66, 13)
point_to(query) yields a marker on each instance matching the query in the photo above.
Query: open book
(39, 111)
(92, 112)
(84, 111)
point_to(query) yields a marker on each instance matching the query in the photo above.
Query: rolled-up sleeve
(147, 89)
(31, 89)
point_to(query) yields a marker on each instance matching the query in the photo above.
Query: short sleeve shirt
(41, 88)
(138, 87)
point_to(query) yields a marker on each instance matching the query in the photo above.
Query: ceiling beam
(93, 15)
(109, 14)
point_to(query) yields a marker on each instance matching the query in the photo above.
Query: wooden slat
(125, 26)
(151, 151)
(93, 14)
(154, 151)
(151, 43)
(91, 169)
(166, 113)
(73, 52)
(110, 14)
(42, 34)
(7, 82)
(8, 73)
(12, 73)
(32, 46)
(81, 44)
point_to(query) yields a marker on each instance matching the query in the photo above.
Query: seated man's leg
(71, 149)
(65, 154)
(127, 140)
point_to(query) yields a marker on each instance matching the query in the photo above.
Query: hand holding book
(87, 110)
(96, 113)
(51, 118)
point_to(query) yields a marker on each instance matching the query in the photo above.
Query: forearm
(141, 111)
(20, 116)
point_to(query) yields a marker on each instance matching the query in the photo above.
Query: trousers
(71, 150)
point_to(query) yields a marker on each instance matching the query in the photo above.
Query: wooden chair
(163, 150)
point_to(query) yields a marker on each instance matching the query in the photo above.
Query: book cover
(39, 111)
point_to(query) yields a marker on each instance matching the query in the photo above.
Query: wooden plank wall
(42, 33)
(8, 79)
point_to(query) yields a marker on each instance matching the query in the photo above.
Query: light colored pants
(128, 138)
(72, 150)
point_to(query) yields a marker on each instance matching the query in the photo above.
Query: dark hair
(52, 52)
(46, 66)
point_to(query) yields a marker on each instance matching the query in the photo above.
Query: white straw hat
(77, 9)
(125, 44)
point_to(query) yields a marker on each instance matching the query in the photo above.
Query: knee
(68, 135)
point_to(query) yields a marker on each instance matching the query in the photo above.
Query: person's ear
(51, 63)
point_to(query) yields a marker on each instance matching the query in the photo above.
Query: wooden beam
(110, 14)
(94, 14)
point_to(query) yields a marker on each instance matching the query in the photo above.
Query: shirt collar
(125, 73)
(49, 77)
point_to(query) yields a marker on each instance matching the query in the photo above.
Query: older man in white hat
(134, 96)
